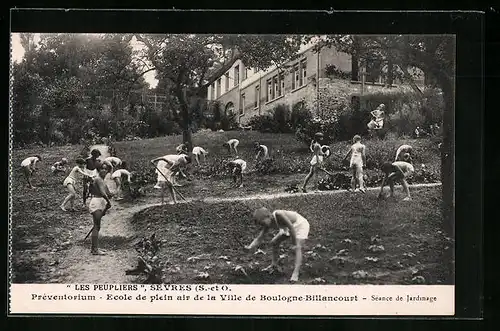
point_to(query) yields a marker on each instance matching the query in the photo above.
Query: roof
(219, 72)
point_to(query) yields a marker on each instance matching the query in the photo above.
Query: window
(257, 96)
(212, 91)
(303, 67)
(236, 75)
(269, 90)
(299, 75)
(218, 87)
(227, 82)
(282, 82)
(245, 74)
(295, 78)
(242, 110)
(276, 84)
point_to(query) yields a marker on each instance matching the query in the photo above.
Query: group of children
(290, 224)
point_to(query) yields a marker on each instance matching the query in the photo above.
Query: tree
(188, 61)
(56, 75)
(435, 56)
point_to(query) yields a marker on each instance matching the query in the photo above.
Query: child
(197, 152)
(77, 173)
(92, 164)
(261, 150)
(402, 150)
(180, 161)
(164, 178)
(113, 162)
(317, 159)
(28, 167)
(378, 118)
(59, 166)
(99, 204)
(396, 171)
(232, 144)
(120, 177)
(358, 160)
(181, 149)
(237, 167)
(290, 225)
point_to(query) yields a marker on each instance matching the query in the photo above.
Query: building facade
(246, 92)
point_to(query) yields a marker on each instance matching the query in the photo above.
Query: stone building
(247, 92)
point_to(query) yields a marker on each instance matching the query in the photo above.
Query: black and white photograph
(232, 159)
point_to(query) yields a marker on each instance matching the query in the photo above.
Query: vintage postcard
(232, 174)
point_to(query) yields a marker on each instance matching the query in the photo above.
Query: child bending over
(237, 167)
(28, 167)
(262, 151)
(59, 166)
(232, 144)
(290, 225)
(396, 171)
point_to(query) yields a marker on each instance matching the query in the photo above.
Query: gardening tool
(171, 184)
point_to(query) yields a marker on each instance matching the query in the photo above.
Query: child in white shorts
(290, 225)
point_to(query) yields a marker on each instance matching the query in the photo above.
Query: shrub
(406, 120)
(277, 121)
(281, 117)
(332, 71)
(262, 123)
(300, 115)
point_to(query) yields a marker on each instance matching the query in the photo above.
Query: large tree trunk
(185, 119)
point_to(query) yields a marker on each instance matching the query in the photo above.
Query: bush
(263, 123)
(332, 71)
(406, 120)
(307, 132)
(300, 115)
(281, 117)
(277, 121)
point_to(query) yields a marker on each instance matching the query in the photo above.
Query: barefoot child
(402, 150)
(77, 173)
(261, 150)
(358, 160)
(232, 144)
(197, 152)
(180, 160)
(237, 167)
(396, 171)
(99, 205)
(164, 179)
(290, 225)
(120, 177)
(28, 167)
(317, 159)
(59, 166)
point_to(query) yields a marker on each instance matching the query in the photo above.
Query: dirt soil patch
(200, 242)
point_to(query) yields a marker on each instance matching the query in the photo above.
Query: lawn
(41, 231)
(198, 238)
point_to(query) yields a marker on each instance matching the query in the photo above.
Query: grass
(40, 228)
(403, 228)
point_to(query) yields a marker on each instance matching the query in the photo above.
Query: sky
(18, 52)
